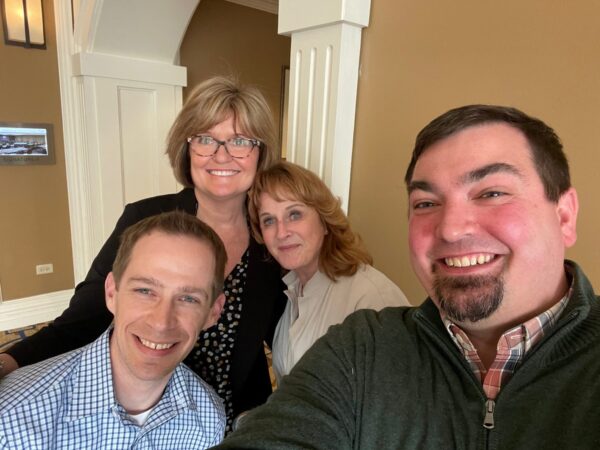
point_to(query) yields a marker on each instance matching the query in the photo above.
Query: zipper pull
(488, 421)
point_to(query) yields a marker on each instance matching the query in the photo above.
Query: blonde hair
(210, 103)
(343, 251)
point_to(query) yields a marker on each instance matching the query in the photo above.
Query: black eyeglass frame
(255, 143)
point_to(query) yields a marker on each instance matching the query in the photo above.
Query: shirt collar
(93, 390)
(314, 285)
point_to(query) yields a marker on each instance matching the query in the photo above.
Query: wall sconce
(23, 22)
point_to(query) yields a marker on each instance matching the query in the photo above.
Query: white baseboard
(27, 311)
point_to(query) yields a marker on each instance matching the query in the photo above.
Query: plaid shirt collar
(511, 348)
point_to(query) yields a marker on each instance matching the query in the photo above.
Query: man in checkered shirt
(505, 352)
(128, 389)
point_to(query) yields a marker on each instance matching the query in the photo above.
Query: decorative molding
(297, 15)
(27, 311)
(270, 6)
(74, 134)
(88, 83)
(325, 52)
(110, 66)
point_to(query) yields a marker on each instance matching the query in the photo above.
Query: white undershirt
(140, 419)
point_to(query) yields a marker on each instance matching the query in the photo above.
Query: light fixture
(23, 22)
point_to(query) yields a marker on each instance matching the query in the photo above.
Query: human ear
(110, 292)
(566, 209)
(215, 311)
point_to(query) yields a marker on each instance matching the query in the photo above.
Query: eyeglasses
(237, 147)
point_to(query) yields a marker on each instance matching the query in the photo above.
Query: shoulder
(38, 382)
(264, 273)
(349, 347)
(202, 394)
(260, 257)
(371, 276)
(184, 200)
(372, 289)
(385, 321)
(369, 325)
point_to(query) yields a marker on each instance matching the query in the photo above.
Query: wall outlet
(43, 269)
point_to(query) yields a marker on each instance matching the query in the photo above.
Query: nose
(162, 316)
(222, 155)
(282, 229)
(456, 222)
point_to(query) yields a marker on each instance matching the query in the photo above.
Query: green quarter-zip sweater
(395, 380)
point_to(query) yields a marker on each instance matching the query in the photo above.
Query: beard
(469, 298)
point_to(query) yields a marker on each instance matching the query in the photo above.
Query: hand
(7, 364)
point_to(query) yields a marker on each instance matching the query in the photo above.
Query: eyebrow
(146, 280)
(287, 208)
(470, 177)
(482, 172)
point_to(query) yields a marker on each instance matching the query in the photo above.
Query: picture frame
(26, 143)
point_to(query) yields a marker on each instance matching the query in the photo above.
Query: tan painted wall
(224, 38)
(34, 224)
(420, 59)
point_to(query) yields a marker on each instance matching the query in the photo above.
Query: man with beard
(505, 352)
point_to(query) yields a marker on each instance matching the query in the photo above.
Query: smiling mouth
(285, 248)
(223, 173)
(154, 345)
(468, 261)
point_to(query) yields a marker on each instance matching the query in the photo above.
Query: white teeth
(467, 261)
(223, 173)
(154, 345)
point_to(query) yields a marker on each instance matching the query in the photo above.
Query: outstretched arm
(313, 407)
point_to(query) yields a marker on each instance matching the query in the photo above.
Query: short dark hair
(547, 151)
(176, 223)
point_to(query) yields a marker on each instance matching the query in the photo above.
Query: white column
(324, 63)
(120, 92)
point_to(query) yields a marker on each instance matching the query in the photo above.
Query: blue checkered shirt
(68, 402)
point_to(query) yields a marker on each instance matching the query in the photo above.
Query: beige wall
(224, 38)
(420, 59)
(34, 228)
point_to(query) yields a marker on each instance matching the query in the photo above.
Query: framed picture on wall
(26, 143)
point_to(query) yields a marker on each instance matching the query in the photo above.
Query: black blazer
(87, 316)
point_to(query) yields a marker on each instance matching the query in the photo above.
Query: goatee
(469, 298)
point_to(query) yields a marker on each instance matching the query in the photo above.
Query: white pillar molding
(324, 65)
(120, 92)
(119, 98)
(79, 178)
